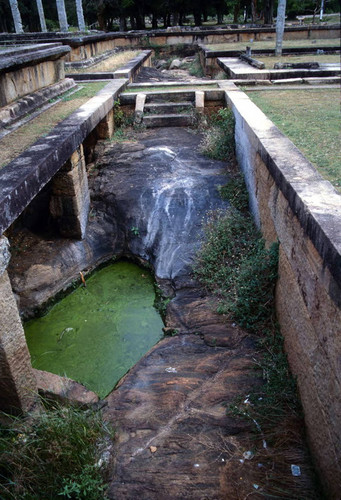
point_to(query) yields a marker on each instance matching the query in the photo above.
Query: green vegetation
(56, 453)
(269, 61)
(13, 144)
(270, 44)
(310, 118)
(195, 68)
(234, 264)
(111, 63)
(218, 139)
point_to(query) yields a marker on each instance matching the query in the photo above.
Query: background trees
(138, 14)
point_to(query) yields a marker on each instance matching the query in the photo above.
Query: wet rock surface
(174, 437)
(149, 197)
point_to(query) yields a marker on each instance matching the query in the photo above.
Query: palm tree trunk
(62, 15)
(280, 26)
(16, 16)
(41, 15)
(80, 15)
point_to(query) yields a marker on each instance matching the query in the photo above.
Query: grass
(218, 139)
(234, 264)
(310, 118)
(269, 61)
(60, 452)
(110, 64)
(15, 143)
(270, 44)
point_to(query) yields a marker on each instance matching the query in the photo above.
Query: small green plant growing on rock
(135, 230)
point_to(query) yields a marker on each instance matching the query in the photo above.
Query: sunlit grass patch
(311, 119)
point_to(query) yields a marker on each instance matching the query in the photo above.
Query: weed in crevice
(135, 230)
(195, 68)
(218, 138)
(235, 192)
(55, 453)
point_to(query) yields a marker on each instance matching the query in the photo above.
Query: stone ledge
(87, 63)
(16, 59)
(238, 70)
(23, 178)
(17, 110)
(52, 386)
(131, 68)
(313, 200)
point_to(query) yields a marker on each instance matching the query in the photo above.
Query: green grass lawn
(15, 143)
(269, 61)
(270, 44)
(311, 119)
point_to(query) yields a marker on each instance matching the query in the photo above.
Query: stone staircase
(165, 108)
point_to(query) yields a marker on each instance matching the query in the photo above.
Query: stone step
(156, 96)
(167, 107)
(168, 120)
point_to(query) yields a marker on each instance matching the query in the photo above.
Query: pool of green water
(96, 334)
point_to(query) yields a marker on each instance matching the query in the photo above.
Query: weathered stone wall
(294, 205)
(18, 387)
(23, 72)
(84, 47)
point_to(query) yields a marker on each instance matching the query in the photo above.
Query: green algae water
(96, 334)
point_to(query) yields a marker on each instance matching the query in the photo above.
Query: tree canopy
(140, 14)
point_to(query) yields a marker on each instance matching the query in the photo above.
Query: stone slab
(52, 386)
(20, 58)
(237, 70)
(24, 177)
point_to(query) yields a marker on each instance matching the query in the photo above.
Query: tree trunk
(123, 23)
(220, 17)
(16, 16)
(236, 12)
(62, 15)
(253, 11)
(80, 15)
(41, 15)
(268, 11)
(154, 21)
(280, 26)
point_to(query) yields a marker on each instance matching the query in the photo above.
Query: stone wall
(84, 47)
(294, 205)
(24, 73)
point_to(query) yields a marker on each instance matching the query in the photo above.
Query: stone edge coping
(130, 68)
(23, 178)
(20, 108)
(88, 63)
(180, 83)
(24, 49)
(273, 74)
(126, 71)
(80, 40)
(314, 201)
(289, 51)
(189, 94)
(25, 59)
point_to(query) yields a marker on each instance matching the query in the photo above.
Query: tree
(62, 15)
(80, 15)
(41, 15)
(280, 26)
(16, 16)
